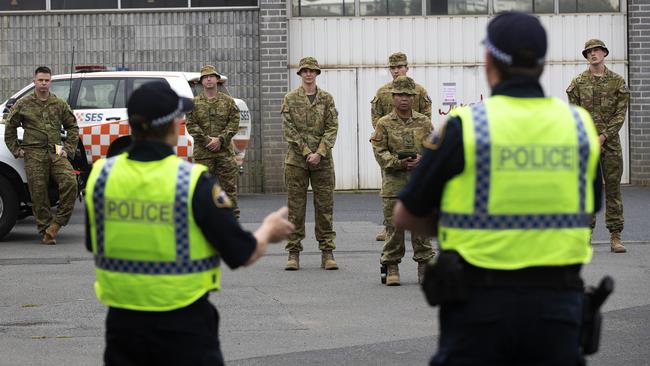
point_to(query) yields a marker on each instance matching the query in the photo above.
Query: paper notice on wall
(449, 94)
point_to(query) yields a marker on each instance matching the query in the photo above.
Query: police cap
(516, 39)
(157, 103)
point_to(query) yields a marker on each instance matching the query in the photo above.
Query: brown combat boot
(422, 267)
(615, 243)
(381, 236)
(392, 279)
(293, 263)
(327, 260)
(49, 238)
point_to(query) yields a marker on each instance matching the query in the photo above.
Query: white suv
(98, 100)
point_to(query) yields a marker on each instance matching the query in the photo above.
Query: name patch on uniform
(536, 157)
(139, 211)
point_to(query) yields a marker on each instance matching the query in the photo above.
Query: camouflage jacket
(216, 117)
(392, 135)
(382, 103)
(41, 121)
(605, 97)
(309, 128)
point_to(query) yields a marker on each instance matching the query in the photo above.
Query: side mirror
(10, 103)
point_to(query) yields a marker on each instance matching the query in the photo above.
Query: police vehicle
(98, 98)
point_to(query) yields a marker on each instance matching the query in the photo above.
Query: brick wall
(639, 76)
(274, 85)
(160, 41)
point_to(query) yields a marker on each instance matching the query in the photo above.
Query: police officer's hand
(279, 227)
(313, 159)
(275, 228)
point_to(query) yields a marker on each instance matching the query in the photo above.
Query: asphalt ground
(49, 314)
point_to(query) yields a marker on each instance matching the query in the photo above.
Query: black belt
(560, 278)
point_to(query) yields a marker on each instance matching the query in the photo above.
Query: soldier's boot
(615, 243)
(49, 238)
(392, 278)
(293, 263)
(381, 236)
(327, 260)
(422, 267)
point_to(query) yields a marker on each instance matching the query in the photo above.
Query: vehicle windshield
(197, 88)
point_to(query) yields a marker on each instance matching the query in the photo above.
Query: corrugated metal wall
(159, 41)
(440, 49)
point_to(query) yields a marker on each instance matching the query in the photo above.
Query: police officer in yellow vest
(159, 227)
(513, 184)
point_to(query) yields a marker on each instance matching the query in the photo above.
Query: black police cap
(516, 39)
(157, 103)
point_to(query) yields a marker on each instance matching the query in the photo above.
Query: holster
(592, 319)
(444, 280)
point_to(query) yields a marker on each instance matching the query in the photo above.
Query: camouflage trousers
(224, 169)
(611, 160)
(322, 181)
(41, 166)
(394, 247)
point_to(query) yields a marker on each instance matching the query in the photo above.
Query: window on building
(83, 4)
(456, 7)
(589, 6)
(390, 7)
(322, 8)
(529, 6)
(129, 4)
(206, 3)
(22, 5)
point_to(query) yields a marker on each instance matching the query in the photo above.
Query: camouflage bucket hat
(309, 63)
(209, 70)
(593, 43)
(397, 59)
(403, 85)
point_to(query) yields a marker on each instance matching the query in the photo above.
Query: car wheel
(8, 207)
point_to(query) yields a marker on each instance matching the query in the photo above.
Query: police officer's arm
(236, 246)
(233, 124)
(12, 122)
(572, 93)
(386, 158)
(192, 125)
(330, 130)
(291, 134)
(69, 123)
(622, 100)
(419, 201)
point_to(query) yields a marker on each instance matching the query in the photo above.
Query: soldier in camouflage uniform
(397, 135)
(41, 115)
(213, 123)
(604, 94)
(310, 123)
(382, 103)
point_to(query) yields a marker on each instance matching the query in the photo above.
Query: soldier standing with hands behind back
(310, 123)
(382, 103)
(397, 143)
(213, 123)
(604, 94)
(41, 115)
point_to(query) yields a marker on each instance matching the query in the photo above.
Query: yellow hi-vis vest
(525, 197)
(150, 255)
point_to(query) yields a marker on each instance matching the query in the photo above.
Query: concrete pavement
(49, 315)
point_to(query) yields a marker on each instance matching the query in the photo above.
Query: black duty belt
(561, 278)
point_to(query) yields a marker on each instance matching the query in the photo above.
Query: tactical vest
(525, 197)
(150, 255)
